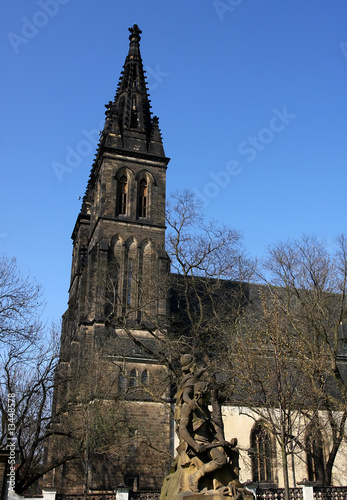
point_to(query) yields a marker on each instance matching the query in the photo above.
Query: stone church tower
(119, 264)
(122, 217)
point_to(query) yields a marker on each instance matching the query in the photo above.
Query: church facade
(116, 303)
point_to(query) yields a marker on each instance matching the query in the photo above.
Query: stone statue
(201, 437)
(206, 463)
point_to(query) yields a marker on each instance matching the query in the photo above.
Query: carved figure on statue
(185, 389)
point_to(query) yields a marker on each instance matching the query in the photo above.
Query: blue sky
(251, 97)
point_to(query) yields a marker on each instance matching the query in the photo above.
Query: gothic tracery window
(261, 454)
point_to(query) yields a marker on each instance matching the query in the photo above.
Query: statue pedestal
(223, 485)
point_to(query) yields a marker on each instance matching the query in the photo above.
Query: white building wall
(238, 422)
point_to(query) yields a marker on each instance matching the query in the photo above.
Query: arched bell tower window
(122, 195)
(261, 454)
(143, 198)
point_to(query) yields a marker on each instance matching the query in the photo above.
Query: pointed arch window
(143, 198)
(112, 283)
(144, 377)
(129, 281)
(122, 195)
(131, 480)
(121, 382)
(261, 455)
(133, 380)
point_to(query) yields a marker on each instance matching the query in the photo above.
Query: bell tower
(121, 226)
(119, 267)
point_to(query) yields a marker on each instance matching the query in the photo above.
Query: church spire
(129, 116)
(129, 127)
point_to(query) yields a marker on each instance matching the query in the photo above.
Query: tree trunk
(330, 463)
(284, 459)
(285, 471)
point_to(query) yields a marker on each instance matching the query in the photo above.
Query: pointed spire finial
(135, 33)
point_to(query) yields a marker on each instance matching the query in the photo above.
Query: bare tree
(310, 284)
(208, 286)
(290, 351)
(270, 380)
(205, 294)
(28, 358)
(211, 309)
(96, 420)
(29, 381)
(21, 305)
(95, 424)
